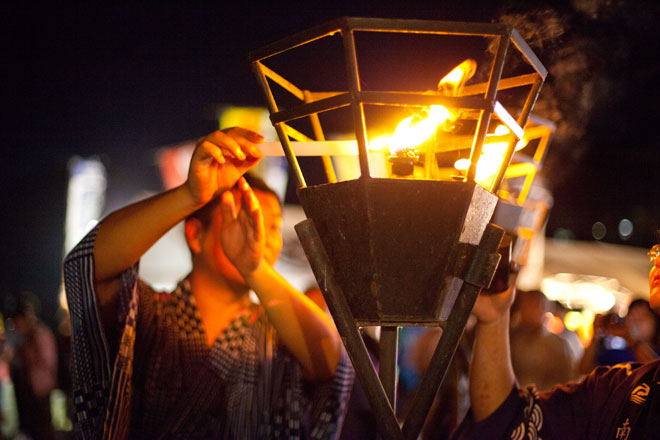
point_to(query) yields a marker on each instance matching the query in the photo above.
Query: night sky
(118, 81)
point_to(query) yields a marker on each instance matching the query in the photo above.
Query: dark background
(117, 81)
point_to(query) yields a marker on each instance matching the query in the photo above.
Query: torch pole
(387, 363)
(347, 328)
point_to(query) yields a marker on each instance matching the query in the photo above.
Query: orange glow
(415, 130)
(379, 143)
(409, 134)
(493, 154)
(554, 324)
(499, 147)
(486, 167)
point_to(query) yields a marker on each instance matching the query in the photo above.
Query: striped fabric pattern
(165, 382)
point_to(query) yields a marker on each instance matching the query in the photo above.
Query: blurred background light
(625, 229)
(598, 230)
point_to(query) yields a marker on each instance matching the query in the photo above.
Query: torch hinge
(483, 259)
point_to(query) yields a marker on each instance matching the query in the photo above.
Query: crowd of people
(205, 361)
(33, 373)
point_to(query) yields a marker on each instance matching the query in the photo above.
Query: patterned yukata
(612, 403)
(166, 382)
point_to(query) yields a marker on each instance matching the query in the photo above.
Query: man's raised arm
(491, 372)
(218, 161)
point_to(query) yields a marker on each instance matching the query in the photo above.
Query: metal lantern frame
(464, 250)
(315, 102)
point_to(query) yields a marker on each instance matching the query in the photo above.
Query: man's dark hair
(204, 213)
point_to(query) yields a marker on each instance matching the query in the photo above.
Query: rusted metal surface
(392, 242)
(399, 252)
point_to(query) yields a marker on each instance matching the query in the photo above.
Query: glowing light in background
(580, 322)
(574, 320)
(625, 228)
(597, 294)
(598, 230)
(85, 198)
(85, 201)
(564, 234)
(554, 324)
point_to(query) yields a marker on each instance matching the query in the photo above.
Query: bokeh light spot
(598, 230)
(625, 228)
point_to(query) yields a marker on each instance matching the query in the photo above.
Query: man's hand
(218, 161)
(243, 236)
(490, 307)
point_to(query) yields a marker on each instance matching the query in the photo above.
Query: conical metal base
(394, 244)
(463, 272)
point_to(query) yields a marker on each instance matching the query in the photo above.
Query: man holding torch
(620, 402)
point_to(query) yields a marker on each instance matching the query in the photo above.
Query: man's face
(212, 253)
(641, 323)
(532, 309)
(654, 283)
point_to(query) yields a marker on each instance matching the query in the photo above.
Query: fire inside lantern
(415, 130)
(418, 137)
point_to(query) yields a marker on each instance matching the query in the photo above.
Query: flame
(415, 130)
(452, 83)
(410, 133)
(379, 143)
